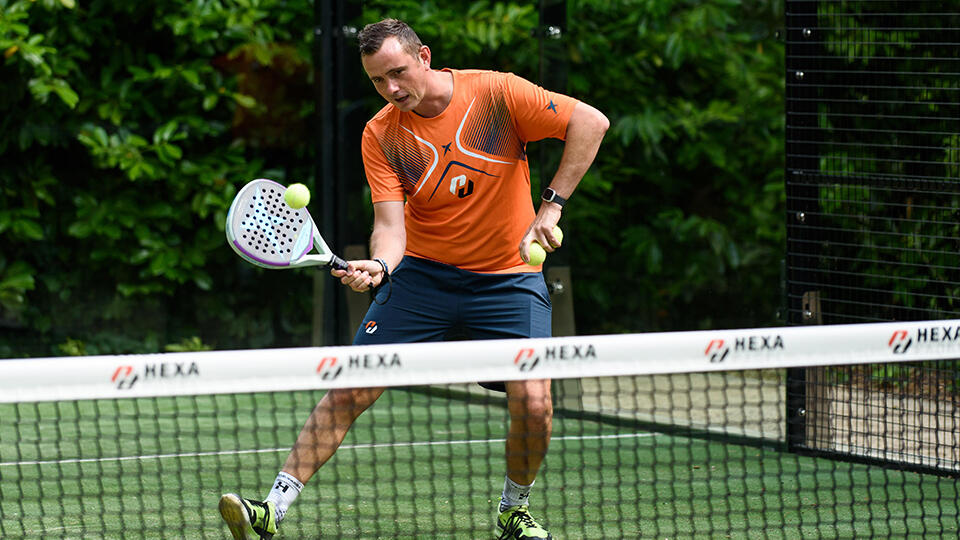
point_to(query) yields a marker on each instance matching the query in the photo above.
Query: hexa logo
(328, 368)
(126, 376)
(525, 360)
(716, 351)
(900, 342)
(528, 359)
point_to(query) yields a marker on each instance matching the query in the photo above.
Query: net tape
(216, 372)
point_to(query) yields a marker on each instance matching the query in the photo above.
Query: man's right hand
(360, 275)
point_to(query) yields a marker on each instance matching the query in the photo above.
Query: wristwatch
(549, 195)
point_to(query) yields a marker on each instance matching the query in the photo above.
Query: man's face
(397, 75)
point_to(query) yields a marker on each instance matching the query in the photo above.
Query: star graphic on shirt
(552, 106)
(446, 147)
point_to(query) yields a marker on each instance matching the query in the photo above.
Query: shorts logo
(370, 327)
(900, 342)
(328, 368)
(460, 186)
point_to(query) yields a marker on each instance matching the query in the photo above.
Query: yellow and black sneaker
(516, 523)
(247, 519)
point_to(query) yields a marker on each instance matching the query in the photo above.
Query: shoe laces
(260, 521)
(256, 504)
(515, 523)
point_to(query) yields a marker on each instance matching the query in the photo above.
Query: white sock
(284, 492)
(514, 494)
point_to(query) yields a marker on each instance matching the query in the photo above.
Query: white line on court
(344, 447)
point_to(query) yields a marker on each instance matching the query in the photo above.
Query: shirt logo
(461, 186)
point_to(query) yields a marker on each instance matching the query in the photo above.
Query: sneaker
(249, 520)
(516, 523)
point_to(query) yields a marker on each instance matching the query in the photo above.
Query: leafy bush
(127, 128)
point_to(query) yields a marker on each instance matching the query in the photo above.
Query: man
(446, 163)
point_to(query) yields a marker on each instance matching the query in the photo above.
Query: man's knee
(351, 401)
(539, 409)
(530, 401)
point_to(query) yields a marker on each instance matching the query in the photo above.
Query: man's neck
(438, 96)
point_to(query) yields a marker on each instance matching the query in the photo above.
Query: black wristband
(386, 269)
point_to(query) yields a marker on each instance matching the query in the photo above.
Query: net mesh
(660, 448)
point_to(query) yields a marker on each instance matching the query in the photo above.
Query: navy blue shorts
(432, 301)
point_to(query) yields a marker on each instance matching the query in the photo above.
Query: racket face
(262, 229)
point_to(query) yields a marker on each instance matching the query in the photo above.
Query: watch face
(550, 195)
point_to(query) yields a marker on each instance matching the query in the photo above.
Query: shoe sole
(235, 515)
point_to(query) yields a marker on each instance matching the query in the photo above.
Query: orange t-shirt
(464, 173)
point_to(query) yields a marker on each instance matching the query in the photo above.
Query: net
(675, 435)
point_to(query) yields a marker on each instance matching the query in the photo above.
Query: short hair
(372, 36)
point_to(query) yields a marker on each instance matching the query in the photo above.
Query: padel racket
(266, 232)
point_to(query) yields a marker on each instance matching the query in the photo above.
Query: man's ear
(424, 56)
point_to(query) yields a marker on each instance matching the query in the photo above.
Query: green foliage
(685, 207)
(892, 246)
(127, 128)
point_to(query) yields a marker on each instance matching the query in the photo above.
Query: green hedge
(127, 128)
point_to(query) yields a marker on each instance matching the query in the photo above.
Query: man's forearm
(388, 244)
(389, 238)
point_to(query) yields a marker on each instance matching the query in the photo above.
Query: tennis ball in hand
(296, 196)
(536, 254)
(558, 234)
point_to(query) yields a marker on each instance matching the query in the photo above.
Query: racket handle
(338, 263)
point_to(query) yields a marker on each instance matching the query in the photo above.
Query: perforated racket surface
(264, 231)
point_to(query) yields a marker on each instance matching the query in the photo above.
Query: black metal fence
(873, 217)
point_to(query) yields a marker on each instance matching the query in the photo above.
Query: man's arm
(388, 242)
(585, 131)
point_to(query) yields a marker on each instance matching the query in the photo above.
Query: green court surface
(420, 465)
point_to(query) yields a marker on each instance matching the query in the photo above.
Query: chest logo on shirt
(459, 183)
(461, 186)
(486, 136)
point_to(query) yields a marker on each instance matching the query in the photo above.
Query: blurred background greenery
(127, 127)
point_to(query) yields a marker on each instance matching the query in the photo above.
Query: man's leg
(531, 422)
(319, 438)
(410, 309)
(498, 306)
(325, 429)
